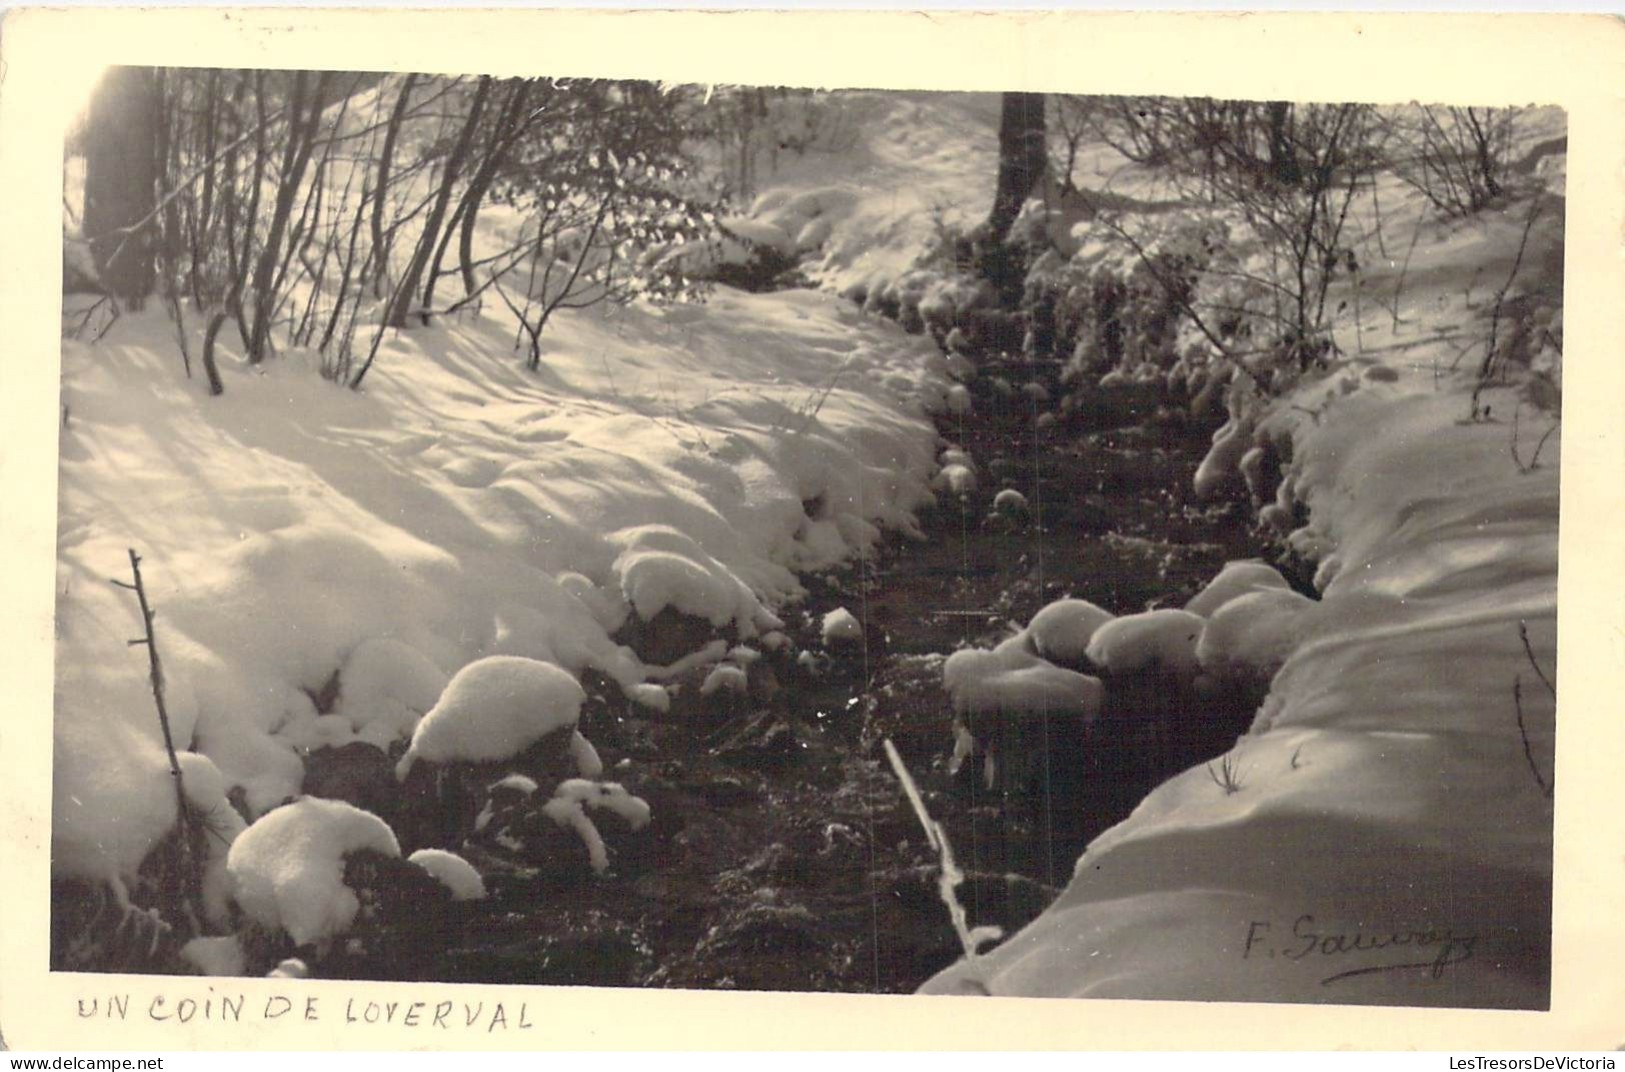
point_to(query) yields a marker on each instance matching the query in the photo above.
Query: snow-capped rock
(453, 872)
(494, 708)
(288, 866)
(1251, 635)
(1010, 680)
(1062, 630)
(1235, 579)
(840, 627)
(1161, 640)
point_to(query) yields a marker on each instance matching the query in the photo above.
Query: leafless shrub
(1455, 157)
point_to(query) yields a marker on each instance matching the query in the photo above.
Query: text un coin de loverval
(238, 1008)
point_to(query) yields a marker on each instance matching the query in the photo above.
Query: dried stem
(183, 814)
(950, 878)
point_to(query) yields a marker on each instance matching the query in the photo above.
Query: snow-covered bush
(385, 686)
(1010, 503)
(958, 480)
(288, 866)
(726, 678)
(660, 567)
(1117, 307)
(494, 708)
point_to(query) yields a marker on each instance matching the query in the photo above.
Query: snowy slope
(1387, 833)
(458, 506)
(861, 204)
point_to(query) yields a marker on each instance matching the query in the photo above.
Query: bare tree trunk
(1283, 156)
(267, 272)
(121, 172)
(408, 288)
(510, 125)
(1023, 158)
(381, 194)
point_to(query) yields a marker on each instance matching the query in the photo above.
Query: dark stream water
(782, 854)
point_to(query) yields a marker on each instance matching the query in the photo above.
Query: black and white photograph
(541, 530)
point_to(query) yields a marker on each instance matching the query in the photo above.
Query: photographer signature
(1426, 949)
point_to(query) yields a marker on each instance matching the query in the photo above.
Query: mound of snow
(1162, 640)
(609, 607)
(1063, 629)
(1235, 579)
(655, 697)
(956, 479)
(1253, 634)
(1220, 465)
(586, 758)
(841, 626)
(385, 687)
(1010, 680)
(452, 872)
(288, 866)
(725, 678)
(660, 567)
(494, 708)
(1010, 503)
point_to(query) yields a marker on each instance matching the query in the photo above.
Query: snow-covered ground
(458, 507)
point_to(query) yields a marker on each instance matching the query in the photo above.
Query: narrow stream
(782, 854)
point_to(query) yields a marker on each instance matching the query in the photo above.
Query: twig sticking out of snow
(1546, 787)
(1534, 459)
(182, 813)
(971, 938)
(1523, 635)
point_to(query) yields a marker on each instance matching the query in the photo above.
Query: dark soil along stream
(782, 854)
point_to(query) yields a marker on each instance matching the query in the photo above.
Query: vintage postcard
(622, 530)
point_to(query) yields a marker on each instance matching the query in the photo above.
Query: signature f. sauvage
(1429, 949)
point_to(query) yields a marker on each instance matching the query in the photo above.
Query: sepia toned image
(543, 545)
(600, 532)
